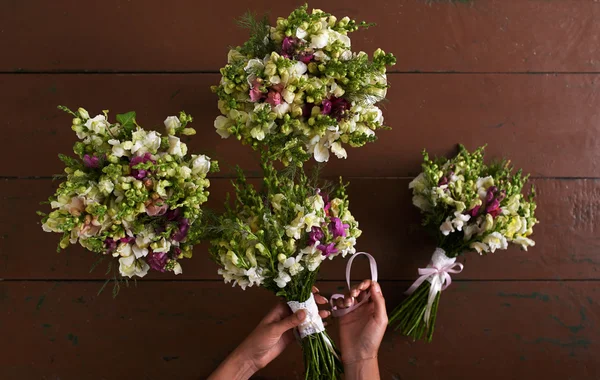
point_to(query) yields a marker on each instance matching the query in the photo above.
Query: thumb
(379, 303)
(289, 322)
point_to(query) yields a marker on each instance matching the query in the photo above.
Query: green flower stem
(408, 316)
(319, 361)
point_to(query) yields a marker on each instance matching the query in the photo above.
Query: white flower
(176, 147)
(200, 165)
(460, 219)
(512, 205)
(221, 124)
(336, 90)
(177, 268)
(139, 251)
(470, 230)
(292, 264)
(83, 113)
(316, 202)
(346, 246)
(319, 40)
(124, 250)
(282, 279)
(524, 242)
(346, 55)
(342, 38)
(98, 124)
(338, 150)
(106, 186)
(479, 247)
(171, 124)
(129, 266)
(288, 95)
(258, 133)
(320, 56)
(281, 109)
(312, 220)
(301, 33)
(120, 149)
(312, 256)
(447, 227)
(320, 151)
(293, 230)
(276, 201)
(253, 67)
(495, 240)
(161, 246)
(144, 142)
(298, 69)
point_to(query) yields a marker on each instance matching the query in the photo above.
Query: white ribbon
(373, 264)
(438, 274)
(312, 324)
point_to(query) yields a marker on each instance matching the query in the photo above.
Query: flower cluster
(132, 193)
(278, 237)
(296, 89)
(472, 206)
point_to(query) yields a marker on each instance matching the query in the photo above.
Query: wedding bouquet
(469, 206)
(297, 89)
(277, 238)
(131, 193)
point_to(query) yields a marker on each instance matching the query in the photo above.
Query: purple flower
(307, 109)
(157, 260)
(338, 228)
(315, 235)
(255, 92)
(474, 211)
(305, 57)
(493, 208)
(127, 240)
(140, 173)
(172, 215)
(288, 47)
(335, 107)
(184, 226)
(92, 162)
(443, 181)
(110, 245)
(327, 249)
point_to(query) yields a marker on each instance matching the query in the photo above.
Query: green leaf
(126, 119)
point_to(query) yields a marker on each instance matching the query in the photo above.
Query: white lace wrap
(312, 324)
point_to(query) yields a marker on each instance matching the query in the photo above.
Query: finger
(348, 301)
(315, 290)
(289, 322)
(379, 302)
(339, 303)
(324, 313)
(357, 289)
(361, 297)
(320, 300)
(277, 313)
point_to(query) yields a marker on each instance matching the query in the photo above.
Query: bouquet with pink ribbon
(469, 206)
(278, 238)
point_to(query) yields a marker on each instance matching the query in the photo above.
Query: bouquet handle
(373, 264)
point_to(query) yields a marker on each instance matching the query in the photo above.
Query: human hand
(361, 330)
(265, 342)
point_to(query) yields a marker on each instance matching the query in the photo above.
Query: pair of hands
(361, 332)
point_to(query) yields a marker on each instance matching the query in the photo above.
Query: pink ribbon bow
(438, 273)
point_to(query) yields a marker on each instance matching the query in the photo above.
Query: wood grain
(492, 330)
(567, 238)
(187, 35)
(547, 124)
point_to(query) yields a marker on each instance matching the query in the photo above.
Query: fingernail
(376, 287)
(301, 314)
(327, 313)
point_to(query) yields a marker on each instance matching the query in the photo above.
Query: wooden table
(522, 76)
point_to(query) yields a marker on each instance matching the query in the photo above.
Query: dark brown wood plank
(546, 124)
(567, 239)
(481, 36)
(503, 330)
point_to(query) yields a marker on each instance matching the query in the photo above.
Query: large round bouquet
(296, 89)
(468, 206)
(131, 193)
(278, 238)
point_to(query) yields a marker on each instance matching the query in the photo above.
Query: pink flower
(474, 211)
(274, 98)
(76, 206)
(156, 207)
(91, 161)
(255, 92)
